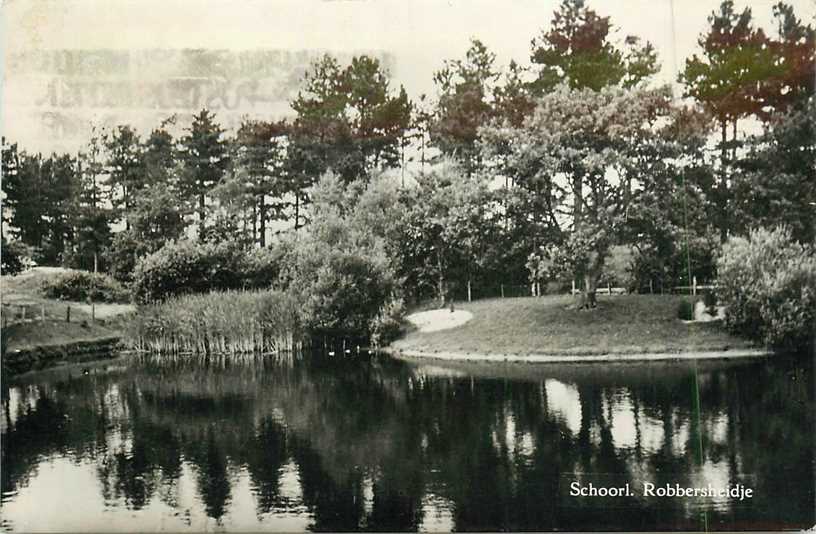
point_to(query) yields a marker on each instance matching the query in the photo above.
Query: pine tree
(728, 80)
(348, 120)
(204, 158)
(577, 50)
(125, 168)
(92, 216)
(465, 103)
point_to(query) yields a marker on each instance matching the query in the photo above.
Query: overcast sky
(419, 34)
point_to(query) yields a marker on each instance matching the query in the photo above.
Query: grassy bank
(33, 321)
(627, 324)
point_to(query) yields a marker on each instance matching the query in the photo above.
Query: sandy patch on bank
(433, 320)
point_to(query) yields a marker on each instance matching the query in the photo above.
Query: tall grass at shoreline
(220, 322)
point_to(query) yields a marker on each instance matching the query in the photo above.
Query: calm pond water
(368, 442)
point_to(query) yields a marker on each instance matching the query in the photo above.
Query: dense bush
(617, 270)
(14, 254)
(185, 267)
(84, 285)
(260, 268)
(388, 323)
(685, 310)
(344, 293)
(177, 268)
(768, 284)
(120, 256)
(710, 299)
(667, 265)
(219, 322)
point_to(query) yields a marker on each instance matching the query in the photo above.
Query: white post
(694, 285)
(468, 289)
(573, 286)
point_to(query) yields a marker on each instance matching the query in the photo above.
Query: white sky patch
(81, 510)
(718, 429)
(437, 514)
(563, 400)
(652, 434)
(622, 421)
(368, 494)
(419, 35)
(15, 405)
(290, 487)
(681, 436)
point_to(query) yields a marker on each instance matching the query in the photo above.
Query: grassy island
(628, 324)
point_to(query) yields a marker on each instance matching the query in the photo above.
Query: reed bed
(218, 323)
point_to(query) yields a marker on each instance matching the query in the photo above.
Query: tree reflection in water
(372, 443)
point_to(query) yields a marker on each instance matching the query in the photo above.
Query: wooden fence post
(468, 285)
(68, 314)
(502, 291)
(694, 285)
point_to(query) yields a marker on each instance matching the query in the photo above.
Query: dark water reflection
(372, 443)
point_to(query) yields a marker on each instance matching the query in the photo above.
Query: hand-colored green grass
(623, 324)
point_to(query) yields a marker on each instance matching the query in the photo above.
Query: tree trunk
(262, 213)
(254, 223)
(722, 187)
(127, 207)
(590, 286)
(441, 286)
(201, 215)
(297, 208)
(577, 208)
(593, 272)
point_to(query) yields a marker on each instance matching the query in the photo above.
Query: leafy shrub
(84, 285)
(15, 255)
(710, 298)
(388, 323)
(185, 267)
(768, 284)
(261, 267)
(685, 310)
(665, 263)
(344, 293)
(120, 256)
(617, 270)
